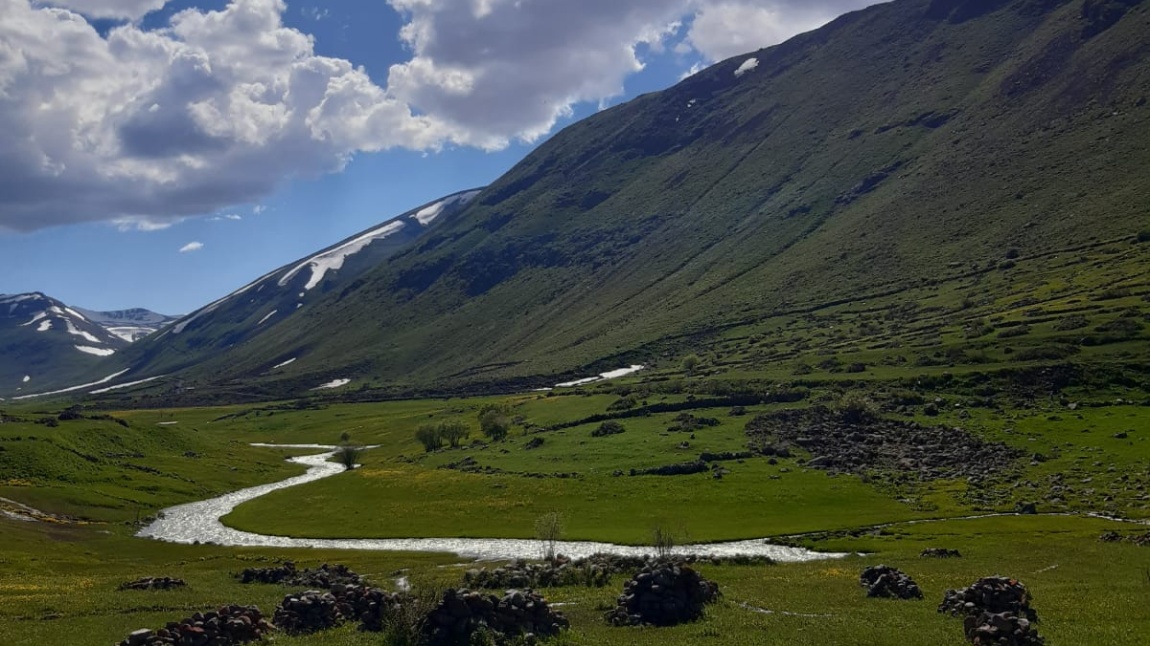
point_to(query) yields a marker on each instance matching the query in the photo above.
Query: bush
(348, 456)
(454, 433)
(608, 428)
(494, 421)
(549, 529)
(429, 437)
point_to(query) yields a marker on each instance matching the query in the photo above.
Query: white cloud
(191, 246)
(130, 9)
(725, 28)
(142, 127)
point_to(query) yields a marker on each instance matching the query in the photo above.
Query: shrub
(494, 421)
(608, 428)
(454, 433)
(856, 408)
(429, 436)
(348, 456)
(691, 363)
(549, 529)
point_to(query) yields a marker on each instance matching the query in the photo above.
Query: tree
(690, 363)
(495, 421)
(453, 433)
(430, 437)
(549, 529)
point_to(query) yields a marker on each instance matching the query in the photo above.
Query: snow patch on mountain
(211, 307)
(75, 331)
(99, 352)
(267, 316)
(27, 378)
(74, 388)
(427, 214)
(610, 374)
(334, 383)
(332, 259)
(44, 326)
(748, 65)
(126, 385)
(280, 365)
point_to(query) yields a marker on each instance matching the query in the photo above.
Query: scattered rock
(153, 583)
(940, 553)
(663, 593)
(874, 443)
(594, 571)
(1110, 537)
(887, 582)
(322, 577)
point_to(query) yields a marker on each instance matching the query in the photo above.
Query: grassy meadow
(1045, 358)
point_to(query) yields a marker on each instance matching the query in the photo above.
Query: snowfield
(335, 383)
(99, 352)
(333, 259)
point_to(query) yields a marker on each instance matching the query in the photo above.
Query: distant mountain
(207, 338)
(131, 324)
(45, 343)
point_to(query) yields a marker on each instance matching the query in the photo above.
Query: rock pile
(153, 583)
(1110, 537)
(888, 582)
(307, 612)
(663, 593)
(519, 613)
(682, 469)
(940, 553)
(859, 447)
(224, 627)
(595, 570)
(1001, 628)
(992, 594)
(322, 577)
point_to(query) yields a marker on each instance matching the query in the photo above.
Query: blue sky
(161, 154)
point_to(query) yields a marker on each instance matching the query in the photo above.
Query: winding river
(200, 522)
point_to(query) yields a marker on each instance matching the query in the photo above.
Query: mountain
(896, 148)
(131, 324)
(44, 343)
(213, 333)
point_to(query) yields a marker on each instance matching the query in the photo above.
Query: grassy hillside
(899, 147)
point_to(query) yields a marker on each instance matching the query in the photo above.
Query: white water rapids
(200, 522)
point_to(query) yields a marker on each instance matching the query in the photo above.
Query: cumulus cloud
(142, 126)
(191, 246)
(129, 9)
(145, 126)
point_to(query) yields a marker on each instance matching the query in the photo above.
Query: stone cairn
(996, 610)
(663, 593)
(315, 610)
(519, 614)
(223, 627)
(322, 577)
(153, 583)
(890, 583)
(940, 553)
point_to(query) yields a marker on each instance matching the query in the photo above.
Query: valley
(766, 335)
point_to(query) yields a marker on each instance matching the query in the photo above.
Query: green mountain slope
(902, 145)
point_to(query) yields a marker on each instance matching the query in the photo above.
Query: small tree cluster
(495, 421)
(435, 436)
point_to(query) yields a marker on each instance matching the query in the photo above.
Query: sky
(161, 154)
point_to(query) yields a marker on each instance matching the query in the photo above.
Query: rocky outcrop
(887, 582)
(519, 614)
(223, 627)
(663, 593)
(595, 570)
(153, 583)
